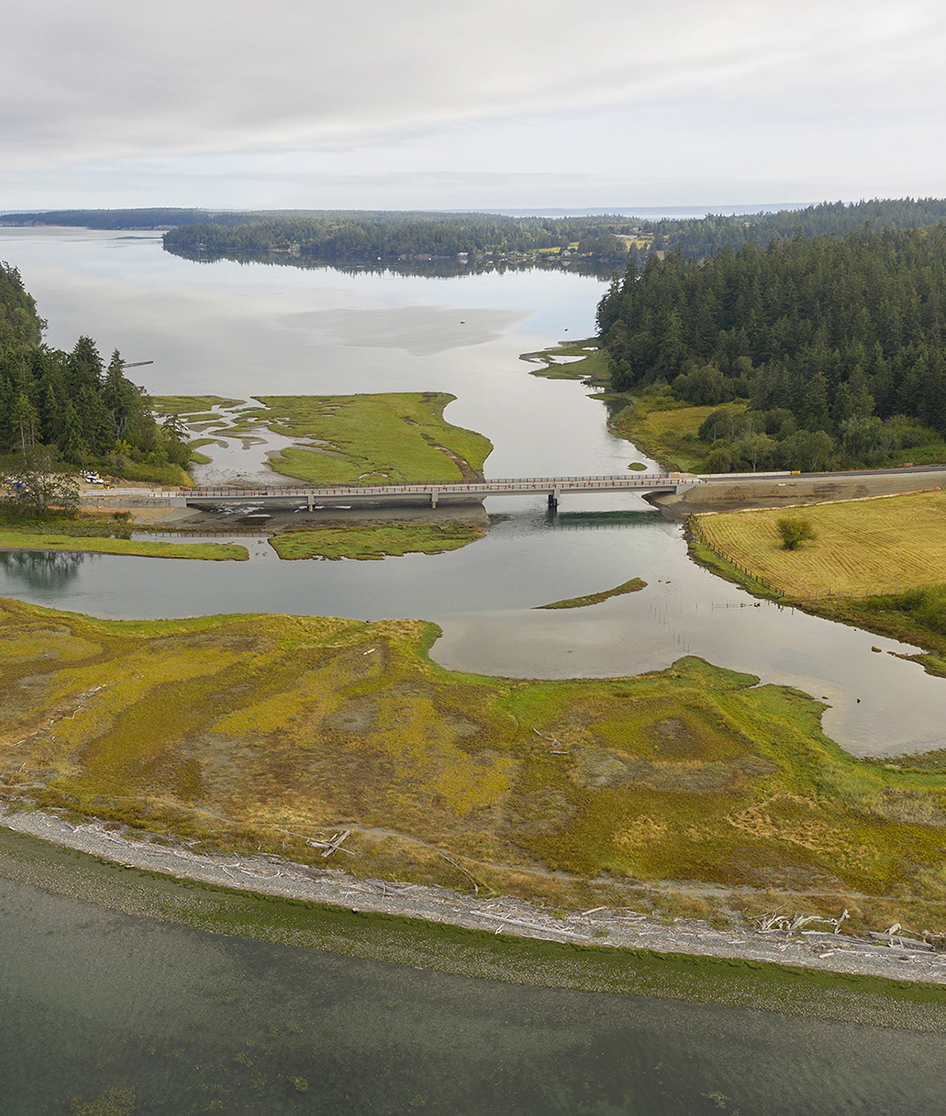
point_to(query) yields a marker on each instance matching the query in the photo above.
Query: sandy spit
(609, 928)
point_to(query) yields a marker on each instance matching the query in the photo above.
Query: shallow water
(101, 1005)
(485, 598)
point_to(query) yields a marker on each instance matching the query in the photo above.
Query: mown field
(247, 732)
(390, 438)
(862, 547)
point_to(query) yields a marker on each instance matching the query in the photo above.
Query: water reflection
(46, 572)
(430, 267)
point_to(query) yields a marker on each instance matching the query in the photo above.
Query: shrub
(793, 532)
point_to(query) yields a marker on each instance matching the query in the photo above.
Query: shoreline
(612, 931)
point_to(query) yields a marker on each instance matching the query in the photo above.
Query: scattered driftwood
(335, 845)
(775, 922)
(329, 846)
(457, 864)
(559, 751)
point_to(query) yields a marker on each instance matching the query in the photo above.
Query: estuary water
(106, 1014)
(236, 330)
(110, 1013)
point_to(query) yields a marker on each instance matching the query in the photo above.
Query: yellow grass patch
(876, 546)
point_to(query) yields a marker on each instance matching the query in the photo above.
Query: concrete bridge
(432, 494)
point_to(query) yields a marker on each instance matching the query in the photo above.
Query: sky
(443, 104)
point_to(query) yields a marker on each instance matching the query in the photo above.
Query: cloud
(93, 79)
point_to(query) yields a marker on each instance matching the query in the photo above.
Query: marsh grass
(374, 541)
(633, 586)
(24, 539)
(392, 438)
(593, 365)
(245, 732)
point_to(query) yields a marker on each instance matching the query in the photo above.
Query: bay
(101, 1007)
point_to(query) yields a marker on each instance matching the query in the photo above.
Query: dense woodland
(837, 343)
(349, 237)
(360, 236)
(697, 238)
(72, 402)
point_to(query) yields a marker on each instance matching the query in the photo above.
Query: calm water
(93, 1001)
(104, 1005)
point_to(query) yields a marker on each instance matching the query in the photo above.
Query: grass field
(876, 546)
(366, 541)
(667, 431)
(242, 732)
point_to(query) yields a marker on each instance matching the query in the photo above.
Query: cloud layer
(210, 92)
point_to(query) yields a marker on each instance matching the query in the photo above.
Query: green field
(247, 732)
(391, 438)
(370, 541)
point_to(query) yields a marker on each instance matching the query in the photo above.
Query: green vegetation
(193, 407)
(25, 539)
(367, 234)
(834, 344)
(374, 540)
(794, 531)
(474, 238)
(262, 731)
(69, 406)
(633, 586)
(667, 429)
(394, 438)
(699, 237)
(591, 365)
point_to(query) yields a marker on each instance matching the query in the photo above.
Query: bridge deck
(553, 487)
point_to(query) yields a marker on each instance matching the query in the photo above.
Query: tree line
(71, 402)
(837, 345)
(348, 237)
(698, 238)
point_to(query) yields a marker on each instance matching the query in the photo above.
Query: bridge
(432, 494)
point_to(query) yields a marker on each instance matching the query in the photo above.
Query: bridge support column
(434, 493)
(309, 502)
(553, 499)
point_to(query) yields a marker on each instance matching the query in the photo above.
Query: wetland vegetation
(390, 438)
(374, 540)
(249, 732)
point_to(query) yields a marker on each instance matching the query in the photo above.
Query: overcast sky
(470, 103)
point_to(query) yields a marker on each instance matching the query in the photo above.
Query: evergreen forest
(72, 403)
(820, 352)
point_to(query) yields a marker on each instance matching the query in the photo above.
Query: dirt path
(723, 495)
